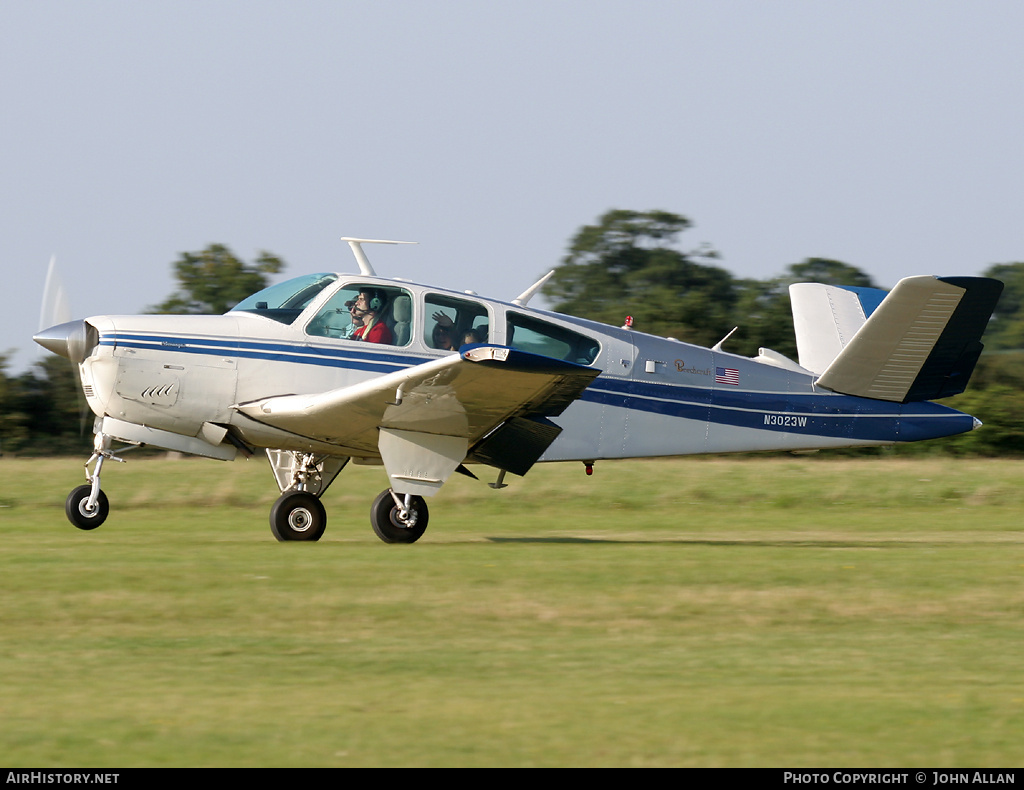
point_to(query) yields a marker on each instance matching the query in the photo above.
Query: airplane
(444, 380)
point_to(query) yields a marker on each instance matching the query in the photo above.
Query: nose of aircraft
(73, 340)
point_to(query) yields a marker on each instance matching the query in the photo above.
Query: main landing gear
(298, 514)
(399, 519)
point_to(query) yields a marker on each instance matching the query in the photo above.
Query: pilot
(356, 322)
(368, 307)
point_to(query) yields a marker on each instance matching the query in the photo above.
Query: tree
(43, 411)
(764, 313)
(213, 280)
(624, 265)
(54, 408)
(764, 318)
(1006, 328)
(13, 432)
(829, 272)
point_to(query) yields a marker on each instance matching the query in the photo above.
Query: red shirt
(379, 333)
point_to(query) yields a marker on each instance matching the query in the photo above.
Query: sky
(883, 133)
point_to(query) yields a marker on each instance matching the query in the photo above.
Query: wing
(461, 397)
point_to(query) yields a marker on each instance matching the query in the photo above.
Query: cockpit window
(285, 301)
(539, 337)
(365, 312)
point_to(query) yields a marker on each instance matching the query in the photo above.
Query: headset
(375, 301)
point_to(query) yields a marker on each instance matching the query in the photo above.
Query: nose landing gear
(87, 506)
(83, 510)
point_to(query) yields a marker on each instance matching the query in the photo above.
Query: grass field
(698, 612)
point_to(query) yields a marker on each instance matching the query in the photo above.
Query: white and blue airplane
(327, 369)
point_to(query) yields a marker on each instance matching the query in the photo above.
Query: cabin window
(285, 301)
(539, 337)
(451, 322)
(368, 313)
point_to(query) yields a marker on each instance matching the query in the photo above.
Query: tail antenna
(364, 264)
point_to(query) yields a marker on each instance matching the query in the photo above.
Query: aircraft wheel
(297, 515)
(391, 527)
(77, 512)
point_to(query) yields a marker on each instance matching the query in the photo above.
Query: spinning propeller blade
(59, 334)
(54, 309)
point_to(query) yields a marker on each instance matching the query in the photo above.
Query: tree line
(627, 263)
(631, 261)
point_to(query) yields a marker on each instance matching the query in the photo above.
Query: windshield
(285, 301)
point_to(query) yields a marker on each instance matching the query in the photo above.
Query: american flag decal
(727, 376)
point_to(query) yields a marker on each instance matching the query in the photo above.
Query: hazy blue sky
(886, 134)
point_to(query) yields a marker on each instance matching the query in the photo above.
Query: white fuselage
(654, 397)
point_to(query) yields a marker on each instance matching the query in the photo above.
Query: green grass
(697, 612)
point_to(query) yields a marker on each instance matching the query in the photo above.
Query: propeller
(54, 309)
(59, 334)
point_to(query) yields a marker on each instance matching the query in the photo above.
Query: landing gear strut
(397, 518)
(87, 506)
(298, 514)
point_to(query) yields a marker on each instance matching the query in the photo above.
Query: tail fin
(826, 317)
(920, 342)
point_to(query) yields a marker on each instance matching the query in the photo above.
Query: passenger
(441, 337)
(368, 307)
(471, 336)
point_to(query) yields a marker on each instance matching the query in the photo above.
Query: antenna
(364, 263)
(526, 295)
(718, 345)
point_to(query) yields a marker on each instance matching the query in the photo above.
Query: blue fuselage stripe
(360, 359)
(814, 414)
(811, 413)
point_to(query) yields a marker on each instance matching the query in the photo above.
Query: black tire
(74, 508)
(297, 515)
(390, 528)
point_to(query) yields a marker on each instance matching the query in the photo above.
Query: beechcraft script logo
(727, 376)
